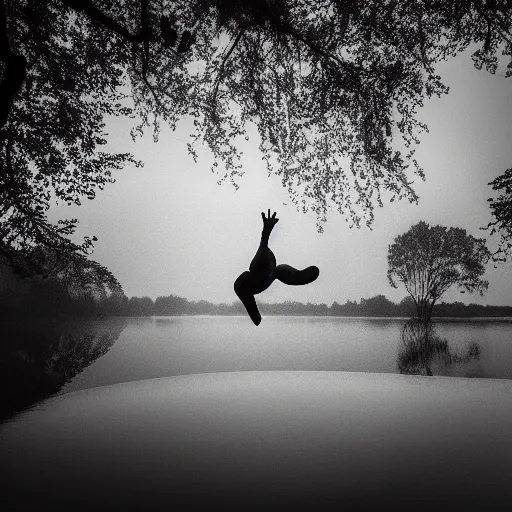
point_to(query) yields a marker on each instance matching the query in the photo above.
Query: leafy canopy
(330, 85)
(428, 260)
(501, 210)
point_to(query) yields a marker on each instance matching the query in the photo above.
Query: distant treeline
(49, 297)
(379, 306)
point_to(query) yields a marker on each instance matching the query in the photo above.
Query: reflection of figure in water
(263, 271)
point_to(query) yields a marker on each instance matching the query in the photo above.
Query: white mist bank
(326, 439)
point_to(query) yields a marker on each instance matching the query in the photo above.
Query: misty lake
(42, 358)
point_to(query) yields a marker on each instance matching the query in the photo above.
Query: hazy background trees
(428, 260)
(38, 297)
(333, 88)
(60, 286)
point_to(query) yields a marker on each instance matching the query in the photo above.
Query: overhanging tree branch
(346, 67)
(87, 7)
(15, 69)
(220, 74)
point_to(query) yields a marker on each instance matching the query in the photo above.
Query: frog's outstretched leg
(243, 287)
(289, 275)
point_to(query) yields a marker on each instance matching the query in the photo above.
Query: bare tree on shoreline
(428, 260)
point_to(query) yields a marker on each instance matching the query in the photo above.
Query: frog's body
(263, 271)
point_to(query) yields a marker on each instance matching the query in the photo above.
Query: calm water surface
(42, 358)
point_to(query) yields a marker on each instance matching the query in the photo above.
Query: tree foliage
(501, 210)
(330, 85)
(57, 282)
(428, 260)
(51, 145)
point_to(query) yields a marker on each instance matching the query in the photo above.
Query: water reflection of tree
(421, 348)
(38, 358)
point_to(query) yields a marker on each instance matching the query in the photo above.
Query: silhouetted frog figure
(263, 271)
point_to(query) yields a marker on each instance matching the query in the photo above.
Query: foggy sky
(170, 228)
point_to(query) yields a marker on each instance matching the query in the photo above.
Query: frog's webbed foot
(289, 275)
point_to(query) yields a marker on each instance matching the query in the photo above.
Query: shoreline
(439, 319)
